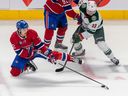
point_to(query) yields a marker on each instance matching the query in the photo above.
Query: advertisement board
(33, 9)
(37, 4)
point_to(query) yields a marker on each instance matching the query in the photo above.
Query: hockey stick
(62, 68)
(102, 85)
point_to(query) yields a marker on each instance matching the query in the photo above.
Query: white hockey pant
(107, 51)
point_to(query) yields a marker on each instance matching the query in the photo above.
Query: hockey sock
(60, 34)
(48, 37)
(107, 51)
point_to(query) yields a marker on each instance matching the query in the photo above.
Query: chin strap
(19, 33)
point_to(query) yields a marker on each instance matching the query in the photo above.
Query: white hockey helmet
(91, 7)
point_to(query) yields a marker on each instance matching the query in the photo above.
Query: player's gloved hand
(79, 19)
(52, 58)
(77, 37)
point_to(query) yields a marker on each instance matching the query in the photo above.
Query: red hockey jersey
(25, 47)
(59, 6)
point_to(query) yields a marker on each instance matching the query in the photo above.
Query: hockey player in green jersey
(91, 25)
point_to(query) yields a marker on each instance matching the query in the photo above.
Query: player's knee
(63, 28)
(15, 72)
(103, 46)
(49, 30)
(48, 33)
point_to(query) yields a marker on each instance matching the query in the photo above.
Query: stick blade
(104, 86)
(59, 70)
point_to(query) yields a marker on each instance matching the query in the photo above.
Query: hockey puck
(103, 86)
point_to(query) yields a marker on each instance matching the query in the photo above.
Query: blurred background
(33, 9)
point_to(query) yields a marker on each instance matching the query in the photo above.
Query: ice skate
(115, 61)
(60, 47)
(78, 60)
(78, 54)
(31, 66)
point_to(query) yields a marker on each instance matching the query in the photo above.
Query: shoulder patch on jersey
(84, 5)
(94, 18)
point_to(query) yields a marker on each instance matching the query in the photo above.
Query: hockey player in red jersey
(55, 17)
(27, 46)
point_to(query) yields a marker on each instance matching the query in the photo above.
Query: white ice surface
(45, 82)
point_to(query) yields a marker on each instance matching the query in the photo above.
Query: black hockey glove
(76, 38)
(79, 20)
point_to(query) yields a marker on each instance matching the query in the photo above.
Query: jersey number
(94, 25)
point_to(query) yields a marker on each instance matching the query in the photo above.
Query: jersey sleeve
(81, 2)
(83, 7)
(54, 6)
(70, 12)
(38, 44)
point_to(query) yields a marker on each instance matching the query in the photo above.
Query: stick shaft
(83, 75)
(69, 54)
